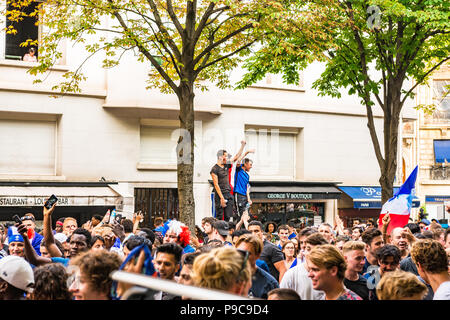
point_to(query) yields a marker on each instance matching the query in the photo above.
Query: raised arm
(245, 154)
(137, 217)
(386, 220)
(49, 240)
(239, 153)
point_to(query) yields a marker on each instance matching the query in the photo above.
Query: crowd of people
(231, 252)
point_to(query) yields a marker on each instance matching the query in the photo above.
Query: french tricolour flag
(399, 206)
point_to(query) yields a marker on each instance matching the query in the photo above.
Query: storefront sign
(62, 201)
(376, 204)
(29, 201)
(437, 198)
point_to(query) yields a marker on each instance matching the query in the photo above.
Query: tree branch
(422, 78)
(164, 31)
(173, 17)
(147, 55)
(198, 70)
(218, 43)
(203, 20)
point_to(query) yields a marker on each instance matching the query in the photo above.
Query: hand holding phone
(51, 201)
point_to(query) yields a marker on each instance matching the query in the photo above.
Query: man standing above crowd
(326, 267)
(223, 199)
(241, 184)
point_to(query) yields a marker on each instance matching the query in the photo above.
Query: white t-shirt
(443, 292)
(297, 279)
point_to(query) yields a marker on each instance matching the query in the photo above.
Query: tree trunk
(185, 156)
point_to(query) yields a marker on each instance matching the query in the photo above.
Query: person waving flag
(399, 206)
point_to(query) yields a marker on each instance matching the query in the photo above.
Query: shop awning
(68, 195)
(369, 197)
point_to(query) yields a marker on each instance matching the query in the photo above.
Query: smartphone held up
(51, 201)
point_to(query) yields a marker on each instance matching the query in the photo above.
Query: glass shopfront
(302, 214)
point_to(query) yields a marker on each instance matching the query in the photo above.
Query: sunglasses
(245, 255)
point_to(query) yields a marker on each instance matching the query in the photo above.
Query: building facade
(433, 145)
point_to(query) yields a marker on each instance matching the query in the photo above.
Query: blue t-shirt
(262, 264)
(188, 249)
(241, 179)
(63, 261)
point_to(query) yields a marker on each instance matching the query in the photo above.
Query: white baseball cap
(61, 237)
(17, 272)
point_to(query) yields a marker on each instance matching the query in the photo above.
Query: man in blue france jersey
(242, 186)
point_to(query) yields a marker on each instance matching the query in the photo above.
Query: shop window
(27, 147)
(27, 29)
(300, 214)
(275, 156)
(156, 202)
(158, 145)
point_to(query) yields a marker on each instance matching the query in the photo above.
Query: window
(26, 29)
(156, 203)
(441, 101)
(27, 147)
(441, 151)
(157, 145)
(275, 154)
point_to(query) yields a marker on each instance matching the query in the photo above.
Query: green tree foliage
(375, 49)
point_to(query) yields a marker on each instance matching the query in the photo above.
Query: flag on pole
(399, 206)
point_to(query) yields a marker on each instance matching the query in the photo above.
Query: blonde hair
(328, 256)
(220, 269)
(66, 220)
(396, 285)
(353, 245)
(102, 230)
